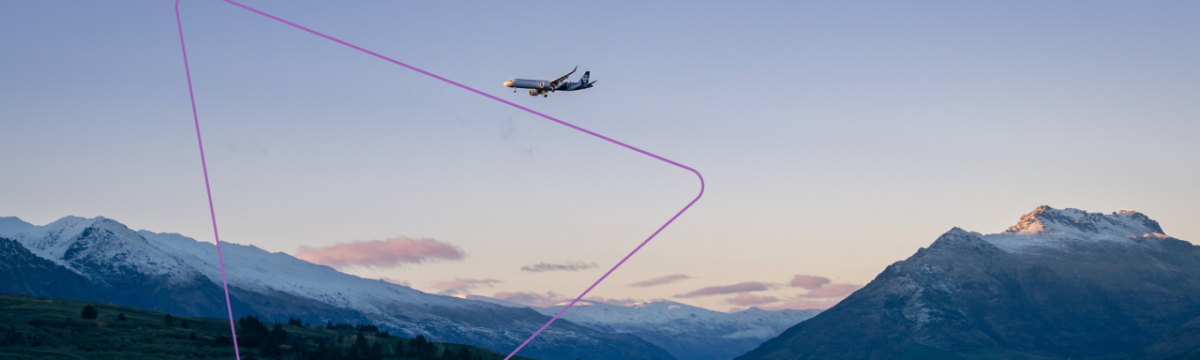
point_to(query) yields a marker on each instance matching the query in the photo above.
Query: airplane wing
(554, 83)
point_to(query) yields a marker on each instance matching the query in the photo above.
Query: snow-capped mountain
(688, 332)
(1059, 284)
(174, 273)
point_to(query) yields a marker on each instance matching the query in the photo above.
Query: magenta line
(410, 67)
(203, 165)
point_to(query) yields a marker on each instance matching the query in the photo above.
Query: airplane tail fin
(584, 80)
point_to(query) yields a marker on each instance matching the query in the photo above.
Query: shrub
(89, 312)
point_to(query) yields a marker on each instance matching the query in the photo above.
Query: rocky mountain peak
(1046, 220)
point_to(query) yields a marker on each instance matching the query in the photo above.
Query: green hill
(42, 328)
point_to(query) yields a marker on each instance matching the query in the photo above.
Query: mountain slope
(1182, 343)
(10, 225)
(173, 273)
(24, 272)
(688, 332)
(1059, 284)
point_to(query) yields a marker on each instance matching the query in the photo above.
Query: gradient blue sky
(836, 137)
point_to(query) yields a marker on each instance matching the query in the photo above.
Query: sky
(835, 138)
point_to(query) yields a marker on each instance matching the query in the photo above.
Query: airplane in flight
(544, 88)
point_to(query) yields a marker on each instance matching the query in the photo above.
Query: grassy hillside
(41, 328)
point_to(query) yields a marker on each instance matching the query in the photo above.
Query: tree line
(273, 341)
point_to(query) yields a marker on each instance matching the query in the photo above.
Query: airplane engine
(533, 93)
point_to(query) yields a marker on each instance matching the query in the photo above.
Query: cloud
(460, 286)
(729, 289)
(531, 298)
(745, 299)
(662, 280)
(617, 302)
(380, 253)
(567, 266)
(808, 282)
(802, 304)
(397, 282)
(831, 291)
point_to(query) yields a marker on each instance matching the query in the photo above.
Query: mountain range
(1060, 284)
(686, 331)
(100, 259)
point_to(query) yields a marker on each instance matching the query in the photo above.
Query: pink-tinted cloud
(460, 286)
(808, 282)
(745, 299)
(831, 291)
(531, 298)
(801, 304)
(617, 302)
(380, 253)
(662, 280)
(397, 282)
(729, 289)
(567, 266)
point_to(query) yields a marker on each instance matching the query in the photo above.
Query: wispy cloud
(802, 304)
(808, 282)
(831, 291)
(460, 286)
(617, 302)
(380, 253)
(397, 282)
(531, 298)
(729, 289)
(662, 280)
(745, 299)
(567, 266)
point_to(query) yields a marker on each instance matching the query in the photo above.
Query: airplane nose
(508, 83)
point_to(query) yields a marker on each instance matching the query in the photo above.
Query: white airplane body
(544, 88)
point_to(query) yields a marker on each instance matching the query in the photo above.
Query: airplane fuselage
(543, 87)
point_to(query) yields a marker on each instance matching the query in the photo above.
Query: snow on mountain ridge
(75, 242)
(1048, 220)
(252, 268)
(1049, 227)
(10, 225)
(689, 332)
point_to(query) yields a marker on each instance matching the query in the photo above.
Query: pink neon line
(203, 165)
(610, 271)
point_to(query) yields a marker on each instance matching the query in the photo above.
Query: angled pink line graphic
(573, 302)
(204, 165)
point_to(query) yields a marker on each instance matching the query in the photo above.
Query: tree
(399, 350)
(121, 317)
(252, 332)
(89, 312)
(168, 320)
(183, 324)
(193, 336)
(360, 349)
(426, 350)
(376, 352)
(417, 345)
